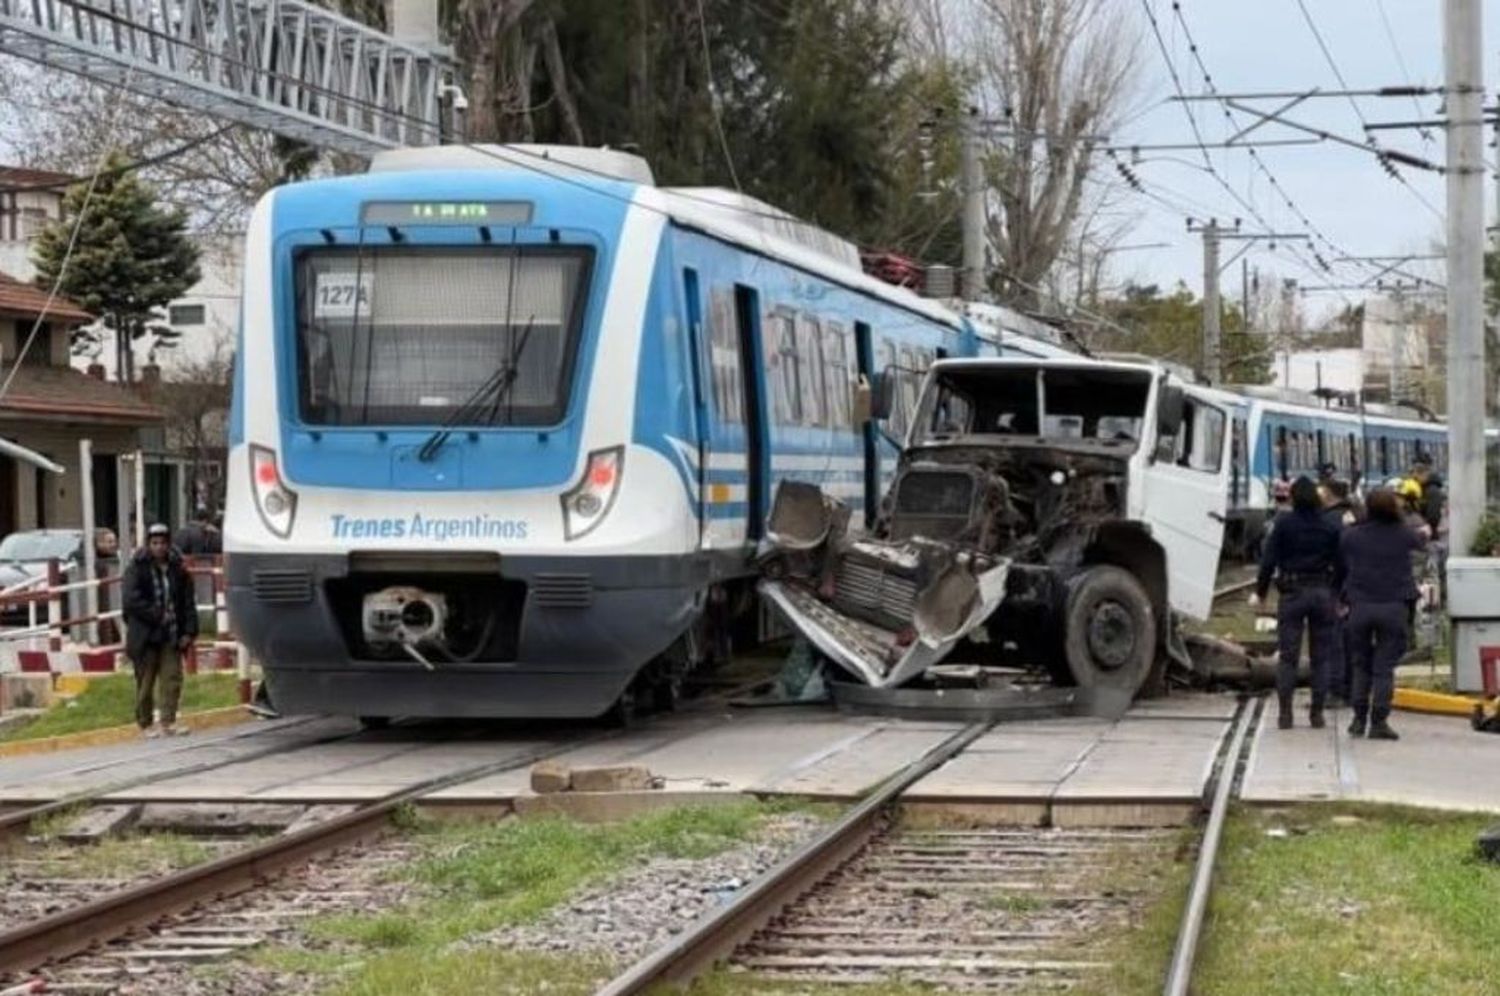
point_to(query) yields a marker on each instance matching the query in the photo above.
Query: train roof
(726, 215)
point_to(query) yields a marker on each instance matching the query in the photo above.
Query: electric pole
(971, 286)
(1212, 356)
(1464, 60)
(1213, 235)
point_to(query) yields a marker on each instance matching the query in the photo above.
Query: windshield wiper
(497, 384)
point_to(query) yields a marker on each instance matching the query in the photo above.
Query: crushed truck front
(1051, 514)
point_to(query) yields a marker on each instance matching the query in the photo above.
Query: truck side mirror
(872, 398)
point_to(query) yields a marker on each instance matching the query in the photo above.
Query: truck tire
(1109, 630)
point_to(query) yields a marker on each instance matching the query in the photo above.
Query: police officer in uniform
(1375, 582)
(1301, 553)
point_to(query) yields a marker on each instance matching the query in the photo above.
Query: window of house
(40, 353)
(32, 221)
(186, 314)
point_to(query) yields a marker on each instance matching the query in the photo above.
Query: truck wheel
(1109, 634)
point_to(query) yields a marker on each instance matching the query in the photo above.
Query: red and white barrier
(43, 648)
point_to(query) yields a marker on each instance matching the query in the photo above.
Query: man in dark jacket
(161, 621)
(1375, 582)
(1300, 554)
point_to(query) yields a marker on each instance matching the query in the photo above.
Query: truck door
(1187, 495)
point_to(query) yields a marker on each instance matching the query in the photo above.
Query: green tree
(131, 257)
(1170, 327)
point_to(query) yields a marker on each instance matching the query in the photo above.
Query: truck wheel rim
(1111, 635)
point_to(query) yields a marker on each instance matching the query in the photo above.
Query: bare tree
(196, 400)
(214, 172)
(1057, 73)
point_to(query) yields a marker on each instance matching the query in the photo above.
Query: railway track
(961, 909)
(90, 924)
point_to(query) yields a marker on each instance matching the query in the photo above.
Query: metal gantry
(287, 66)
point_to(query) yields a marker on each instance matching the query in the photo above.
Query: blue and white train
(507, 422)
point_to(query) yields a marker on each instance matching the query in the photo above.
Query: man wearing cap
(161, 621)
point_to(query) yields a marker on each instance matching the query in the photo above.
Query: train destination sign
(446, 213)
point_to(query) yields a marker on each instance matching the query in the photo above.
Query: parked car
(25, 555)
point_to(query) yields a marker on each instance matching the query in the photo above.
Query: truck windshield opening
(1050, 403)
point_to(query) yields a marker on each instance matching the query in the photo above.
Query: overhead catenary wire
(1338, 74)
(1255, 157)
(713, 98)
(62, 269)
(1406, 77)
(1181, 91)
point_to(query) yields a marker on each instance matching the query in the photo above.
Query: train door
(864, 356)
(731, 457)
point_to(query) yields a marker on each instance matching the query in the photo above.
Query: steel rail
(717, 934)
(71, 931)
(20, 820)
(1184, 951)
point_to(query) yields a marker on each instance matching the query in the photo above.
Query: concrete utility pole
(1213, 235)
(1464, 59)
(1212, 334)
(971, 286)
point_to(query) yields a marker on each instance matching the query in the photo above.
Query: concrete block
(98, 822)
(550, 776)
(612, 778)
(219, 819)
(26, 691)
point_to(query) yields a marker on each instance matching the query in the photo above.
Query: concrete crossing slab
(1439, 763)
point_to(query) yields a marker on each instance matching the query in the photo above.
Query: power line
(713, 100)
(1406, 76)
(129, 167)
(1256, 158)
(1338, 74)
(1181, 91)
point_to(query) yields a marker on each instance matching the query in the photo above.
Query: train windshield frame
(425, 335)
(1054, 404)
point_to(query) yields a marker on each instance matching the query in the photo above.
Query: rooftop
(17, 298)
(20, 176)
(74, 395)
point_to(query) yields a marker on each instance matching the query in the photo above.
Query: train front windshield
(434, 335)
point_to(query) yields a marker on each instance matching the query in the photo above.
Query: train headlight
(586, 504)
(276, 503)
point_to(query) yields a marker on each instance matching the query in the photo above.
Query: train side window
(840, 384)
(724, 358)
(810, 370)
(1282, 456)
(781, 360)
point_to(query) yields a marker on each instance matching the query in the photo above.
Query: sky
(1267, 45)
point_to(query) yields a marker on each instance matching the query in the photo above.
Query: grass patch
(130, 856)
(475, 877)
(110, 701)
(1359, 899)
